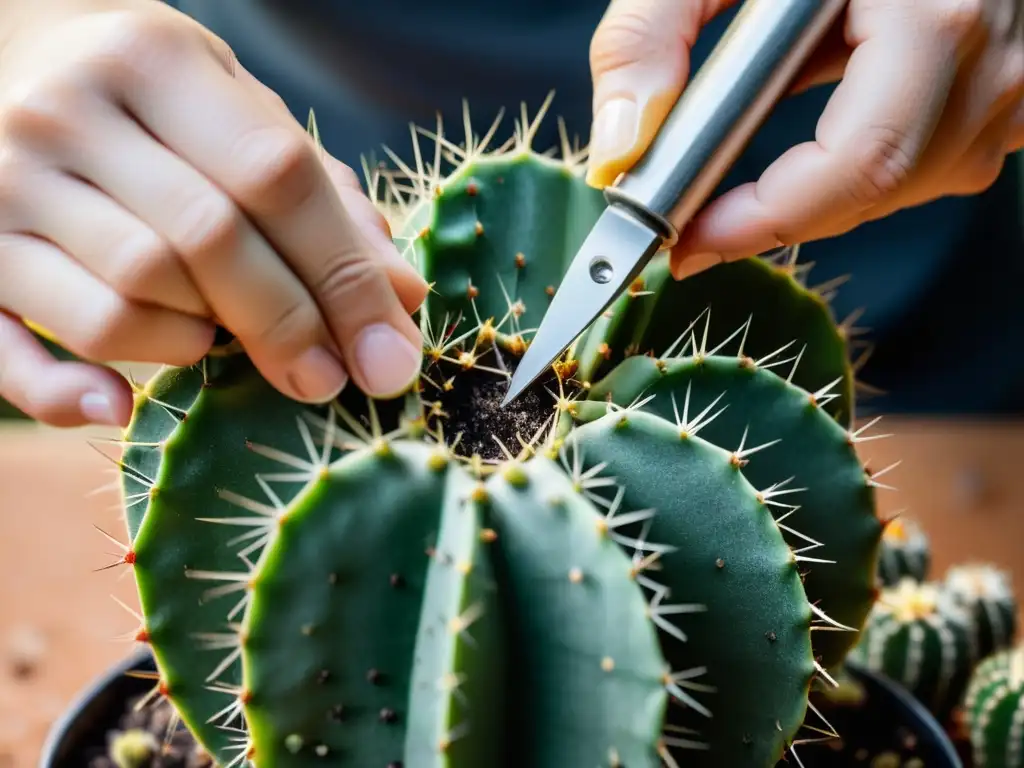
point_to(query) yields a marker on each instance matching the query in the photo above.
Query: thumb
(639, 62)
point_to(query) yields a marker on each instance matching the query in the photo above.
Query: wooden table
(963, 480)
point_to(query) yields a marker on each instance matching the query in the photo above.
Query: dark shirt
(939, 283)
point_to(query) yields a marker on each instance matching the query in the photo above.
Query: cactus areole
(648, 559)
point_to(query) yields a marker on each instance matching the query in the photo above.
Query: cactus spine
(630, 566)
(994, 709)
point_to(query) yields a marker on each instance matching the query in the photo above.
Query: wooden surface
(59, 627)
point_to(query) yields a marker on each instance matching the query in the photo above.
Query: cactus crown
(648, 560)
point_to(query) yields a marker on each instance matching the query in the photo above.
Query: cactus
(651, 566)
(986, 592)
(918, 637)
(994, 710)
(134, 748)
(905, 552)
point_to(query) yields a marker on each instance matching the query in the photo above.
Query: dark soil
(472, 407)
(146, 733)
(872, 735)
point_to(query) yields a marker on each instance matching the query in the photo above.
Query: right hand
(150, 188)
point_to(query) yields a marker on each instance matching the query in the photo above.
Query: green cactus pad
(994, 710)
(496, 238)
(649, 318)
(588, 685)
(836, 520)
(457, 686)
(335, 613)
(188, 438)
(917, 637)
(750, 618)
(986, 592)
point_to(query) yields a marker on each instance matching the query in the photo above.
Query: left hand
(930, 103)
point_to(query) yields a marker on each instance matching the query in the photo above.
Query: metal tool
(751, 68)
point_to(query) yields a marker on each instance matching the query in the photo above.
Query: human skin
(151, 189)
(930, 103)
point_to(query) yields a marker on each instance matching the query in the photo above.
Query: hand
(930, 103)
(150, 187)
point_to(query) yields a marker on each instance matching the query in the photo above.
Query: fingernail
(98, 409)
(615, 131)
(694, 263)
(317, 376)
(387, 360)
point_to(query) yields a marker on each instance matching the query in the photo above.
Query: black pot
(888, 719)
(882, 723)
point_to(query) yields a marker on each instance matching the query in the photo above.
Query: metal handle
(749, 70)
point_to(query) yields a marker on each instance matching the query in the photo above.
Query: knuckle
(959, 18)
(621, 39)
(133, 44)
(133, 270)
(296, 326)
(349, 280)
(208, 225)
(40, 114)
(881, 165)
(283, 171)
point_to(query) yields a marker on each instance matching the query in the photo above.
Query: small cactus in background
(628, 566)
(134, 748)
(994, 710)
(917, 637)
(905, 552)
(986, 592)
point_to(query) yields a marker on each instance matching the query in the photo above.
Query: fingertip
(386, 359)
(687, 265)
(71, 394)
(410, 287)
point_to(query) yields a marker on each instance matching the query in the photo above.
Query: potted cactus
(655, 556)
(951, 643)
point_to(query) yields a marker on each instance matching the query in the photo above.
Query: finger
(62, 394)
(828, 62)
(639, 62)
(869, 142)
(268, 166)
(247, 286)
(93, 321)
(109, 241)
(405, 278)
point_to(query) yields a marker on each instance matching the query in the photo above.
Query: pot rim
(923, 719)
(82, 699)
